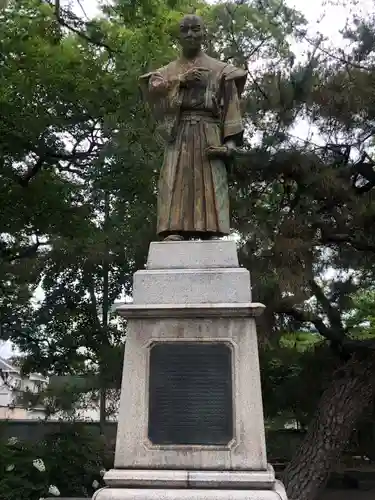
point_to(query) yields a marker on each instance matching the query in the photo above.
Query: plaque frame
(147, 443)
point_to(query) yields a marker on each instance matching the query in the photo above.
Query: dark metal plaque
(190, 394)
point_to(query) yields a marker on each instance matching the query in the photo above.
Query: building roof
(5, 366)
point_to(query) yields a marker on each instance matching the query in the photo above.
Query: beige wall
(19, 414)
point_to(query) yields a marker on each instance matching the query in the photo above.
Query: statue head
(191, 34)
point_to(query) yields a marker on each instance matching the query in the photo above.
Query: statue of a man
(197, 99)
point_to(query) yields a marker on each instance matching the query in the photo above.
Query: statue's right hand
(193, 75)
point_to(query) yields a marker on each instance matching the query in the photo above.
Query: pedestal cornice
(226, 310)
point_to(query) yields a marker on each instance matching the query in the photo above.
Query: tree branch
(332, 313)
(345, 238)
(332, 56)
(24, 180)
(82, 34)
(344, 347)
(10, 255)
(307, 317)
(94, 304)
(49, 155)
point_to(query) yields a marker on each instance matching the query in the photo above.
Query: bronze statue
(196, 98)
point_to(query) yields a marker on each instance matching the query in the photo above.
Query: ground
(349, 495)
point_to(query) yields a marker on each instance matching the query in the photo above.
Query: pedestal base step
(162, 478)
(277, 493)
(159, 484)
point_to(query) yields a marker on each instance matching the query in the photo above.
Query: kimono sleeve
(232, 120)
(160, 91)
(235, 79)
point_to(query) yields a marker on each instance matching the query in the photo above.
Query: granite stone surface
(161, 478)
(246, 452)
(192, 272)
(187, 494)
(192, 254)
(191, 292)
(194, 286)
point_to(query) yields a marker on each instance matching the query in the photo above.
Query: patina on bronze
(190, 394)
(196, 101)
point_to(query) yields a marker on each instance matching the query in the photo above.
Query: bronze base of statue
(174, 237)
(194, 235)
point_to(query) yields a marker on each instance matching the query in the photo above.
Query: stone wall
(36, 430)
(281, 444)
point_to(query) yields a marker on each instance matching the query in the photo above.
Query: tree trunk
(102, 409)
(105, 314)
(342, 404)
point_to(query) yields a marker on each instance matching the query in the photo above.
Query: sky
(322, 15)
(329, 19)
(323, 18)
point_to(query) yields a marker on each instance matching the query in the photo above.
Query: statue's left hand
(231, 146)
(220, 151)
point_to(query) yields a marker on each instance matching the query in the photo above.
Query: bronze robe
(193, 195)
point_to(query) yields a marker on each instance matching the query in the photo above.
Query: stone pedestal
(191, 417)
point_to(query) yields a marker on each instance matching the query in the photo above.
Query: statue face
(191, 33)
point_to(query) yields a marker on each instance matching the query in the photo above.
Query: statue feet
(174, 237)
(202, 236)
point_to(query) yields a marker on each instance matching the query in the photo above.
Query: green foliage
(88, 459)
(361, 320)
(71, 461)
(282, 444)
(78, 177)
(300, 341)
(294, 375)
(248, 31)
(82, 151)
(19, 477)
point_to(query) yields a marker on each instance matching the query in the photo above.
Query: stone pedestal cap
(211, 254)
